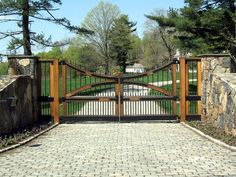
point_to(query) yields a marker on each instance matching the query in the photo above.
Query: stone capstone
(24, 62)
(22, 65)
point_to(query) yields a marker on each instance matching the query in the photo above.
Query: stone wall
(221, 102)
(22, 65)
(15, 103)
(212, 65)
(19, 94)
(218, 93)
(27, 65)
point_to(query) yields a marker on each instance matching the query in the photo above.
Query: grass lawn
(75, 81)
(192, 91)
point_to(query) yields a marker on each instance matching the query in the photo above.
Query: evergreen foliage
(203, 26)
(121, 41)
(135, 55)
(24, 13)
(3, 68)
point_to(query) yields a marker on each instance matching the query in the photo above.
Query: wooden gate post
(199, 87)
(121, 100)
(64, 77)
(187, 103)
(38, 83)
(119, 107)
(51, 88)
(182, 89)
(54, 92)
(174, 88)
(117, 112)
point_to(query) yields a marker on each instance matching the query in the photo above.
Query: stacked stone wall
(219, 93)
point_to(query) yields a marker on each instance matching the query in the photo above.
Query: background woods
(107, 37)
(202, 26)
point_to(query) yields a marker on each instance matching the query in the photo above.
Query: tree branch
(48, 44)
(9, 14)
(9, 34)
(64, 22)
(9, 20)
(41, 18)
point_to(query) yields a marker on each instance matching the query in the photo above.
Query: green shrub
(3, 68)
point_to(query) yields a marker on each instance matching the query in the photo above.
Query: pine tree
(204, 25)
(24, 13)
(121, 40)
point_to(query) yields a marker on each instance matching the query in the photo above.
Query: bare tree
(100, 20)
(163, 33)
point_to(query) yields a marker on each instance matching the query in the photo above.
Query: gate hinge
(62, 99)
(62, 62)
(177, 98)
(45, 99)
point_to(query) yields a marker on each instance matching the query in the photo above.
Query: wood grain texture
(199, 87)
(182, 90)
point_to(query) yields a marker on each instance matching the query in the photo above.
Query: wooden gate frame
(53, 97)
(119, 80)
(54, 89)
(184, 89)
(184, 97)
(69, 96)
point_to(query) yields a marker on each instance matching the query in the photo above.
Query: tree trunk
(123, 63)
(25, 28)
(106, 66)
(169, 49)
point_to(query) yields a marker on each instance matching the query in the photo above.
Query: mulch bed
(214, 132)
(16, 137)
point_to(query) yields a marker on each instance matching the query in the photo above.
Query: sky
(76, 10)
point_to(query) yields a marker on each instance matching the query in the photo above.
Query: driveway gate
(72, 92)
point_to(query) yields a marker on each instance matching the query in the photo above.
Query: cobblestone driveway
(119, 150)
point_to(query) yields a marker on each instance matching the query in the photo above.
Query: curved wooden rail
(88, 73)
(151, 86)
(150, 72)
(117, 79)
(86, 87)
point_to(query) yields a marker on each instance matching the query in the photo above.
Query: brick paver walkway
(119, 150)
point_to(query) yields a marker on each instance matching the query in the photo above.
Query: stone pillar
(16, 104)
(27, 65)
(22, 65)
(212, 64)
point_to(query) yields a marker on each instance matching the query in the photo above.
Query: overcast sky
(76, 10)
